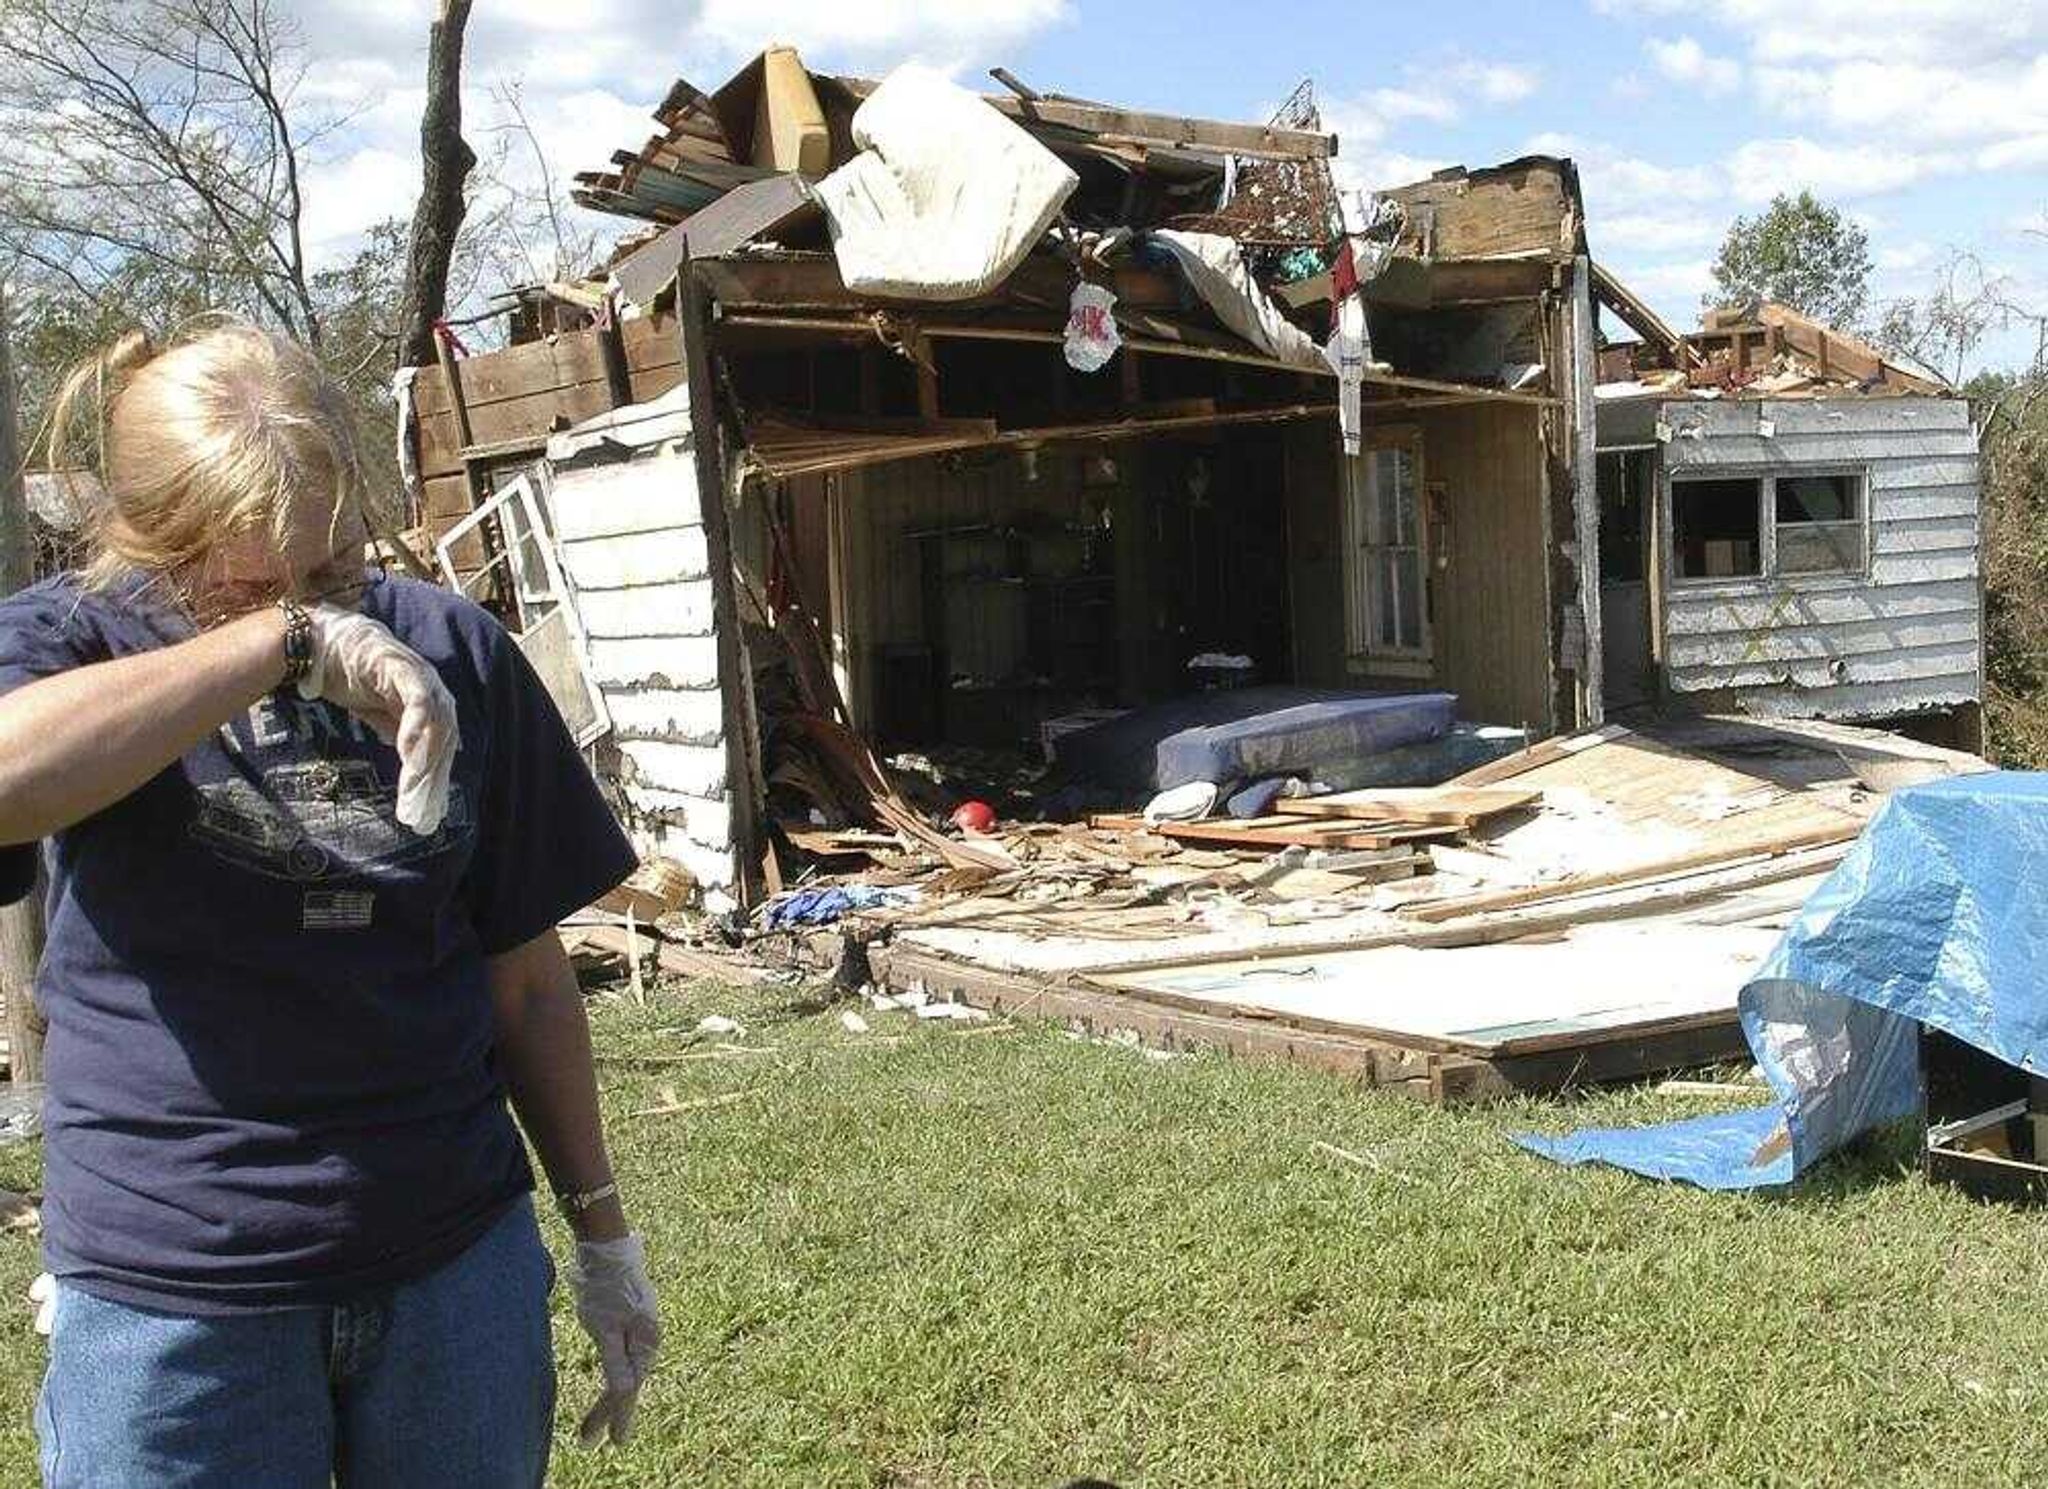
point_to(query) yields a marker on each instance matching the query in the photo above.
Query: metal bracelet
(298, 642)
(578, 1202)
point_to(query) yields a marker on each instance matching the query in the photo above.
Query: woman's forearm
(77, 742)
(544, 1045)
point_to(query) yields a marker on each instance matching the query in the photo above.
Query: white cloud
(1497, 82)
(1686, 61)
(1761, 169)
(1378, 170)
(950, 30)
(1929, 103)
(1390, 104)
(350, 194)
(1650, 232)
(1672, 283)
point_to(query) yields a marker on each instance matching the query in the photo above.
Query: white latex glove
(360, 666)
(616, 1304)
(43, 1293)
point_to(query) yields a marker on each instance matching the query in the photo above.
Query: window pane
(1408, 568)
(1405, 502)
(1386, 482)
(1714, 532)
(1817, 498)
(1820, 548)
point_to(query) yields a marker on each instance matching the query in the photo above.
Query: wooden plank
(1133, 126)
(1104, 1012)
(1847, 830)
(741, 742)
(1276, 832)
(1543, 752)
(1441, 805)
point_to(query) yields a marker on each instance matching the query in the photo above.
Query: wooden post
(21, 925)
(735, 686)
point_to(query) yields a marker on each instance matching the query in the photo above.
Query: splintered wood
(1449, 806)
(1266, 833)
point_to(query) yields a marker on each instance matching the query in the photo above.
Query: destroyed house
(919, 423)
(1789, 526)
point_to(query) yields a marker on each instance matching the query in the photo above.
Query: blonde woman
(309, 830)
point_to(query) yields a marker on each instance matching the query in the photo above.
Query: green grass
(931, 1257)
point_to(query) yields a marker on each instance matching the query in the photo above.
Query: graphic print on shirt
(315, 819)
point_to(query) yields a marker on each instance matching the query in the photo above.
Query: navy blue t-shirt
(271, 1065)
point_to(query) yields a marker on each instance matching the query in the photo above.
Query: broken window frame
(1375, 577)
(1769, 568)
(516, 509)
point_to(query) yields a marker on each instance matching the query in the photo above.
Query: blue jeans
(447, 1382)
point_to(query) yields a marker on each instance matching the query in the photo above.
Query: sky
(1926, 120)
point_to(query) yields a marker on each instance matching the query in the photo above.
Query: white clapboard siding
(627, 527)
(667, 661)
(677, 715)
(619, 500)
(672, 556)
(650, 610)
(1905, 638)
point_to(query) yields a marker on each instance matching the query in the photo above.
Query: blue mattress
(1249, 734)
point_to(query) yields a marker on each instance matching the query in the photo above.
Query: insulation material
(1216, 271)
(1938, 916)
(946, 197)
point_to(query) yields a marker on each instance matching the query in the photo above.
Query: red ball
(976, 817)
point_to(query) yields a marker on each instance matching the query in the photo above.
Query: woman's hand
(360, 666)
(616, 1304)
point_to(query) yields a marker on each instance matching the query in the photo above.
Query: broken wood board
(1382, 1064)
(1451, 806)
(1059, 943)
(1577, 985)
(1277, 832)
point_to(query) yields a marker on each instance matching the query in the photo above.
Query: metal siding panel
(1863, 701)
(1782, 643)
(1730, 615)
(1923, 534)
(1749, 450)
(1827, 417)
(1893, 569)
(1908, 473)
(1899, 665)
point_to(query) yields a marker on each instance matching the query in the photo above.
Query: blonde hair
(227, 430)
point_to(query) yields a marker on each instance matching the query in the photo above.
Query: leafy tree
(1801, 253)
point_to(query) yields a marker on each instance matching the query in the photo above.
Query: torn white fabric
(1216, 271)
(408, 466)
(1092, 336)
(1348, 352)
(946, 197)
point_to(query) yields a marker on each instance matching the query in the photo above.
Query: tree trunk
(447, 159)
(21, 925)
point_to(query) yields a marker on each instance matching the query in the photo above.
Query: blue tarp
(1938, 916)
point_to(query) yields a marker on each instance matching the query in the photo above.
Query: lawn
(977, 1255)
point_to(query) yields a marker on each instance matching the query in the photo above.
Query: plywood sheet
(1494, 999)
